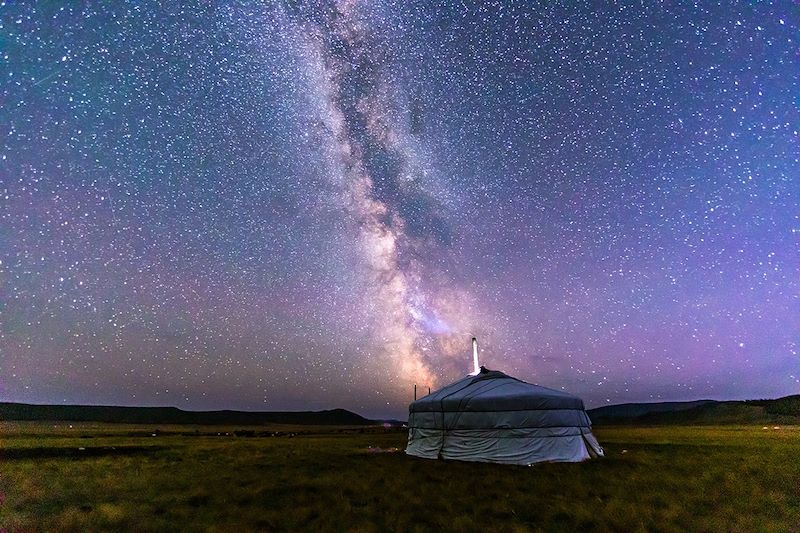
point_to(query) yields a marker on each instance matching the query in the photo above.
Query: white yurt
(492, 417)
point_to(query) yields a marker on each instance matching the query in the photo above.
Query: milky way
(374, 159)
(309, 205)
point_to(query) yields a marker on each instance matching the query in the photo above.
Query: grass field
(729, 478)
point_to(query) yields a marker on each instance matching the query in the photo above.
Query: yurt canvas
(493, 417)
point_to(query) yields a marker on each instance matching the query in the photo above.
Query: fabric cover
(493, 417)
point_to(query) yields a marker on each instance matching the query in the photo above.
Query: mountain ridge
(785, 410)
(174, 415)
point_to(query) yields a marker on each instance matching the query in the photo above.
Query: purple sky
(316, 205)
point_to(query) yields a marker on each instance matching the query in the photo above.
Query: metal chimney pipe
(477, 367)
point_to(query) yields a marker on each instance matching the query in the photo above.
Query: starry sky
(308, 205)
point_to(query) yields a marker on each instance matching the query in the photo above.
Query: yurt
(492, 417)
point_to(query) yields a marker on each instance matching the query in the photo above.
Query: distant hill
(173, 415)
(702, 412)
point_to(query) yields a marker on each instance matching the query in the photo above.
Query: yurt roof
(492, 390)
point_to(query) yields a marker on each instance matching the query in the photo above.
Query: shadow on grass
(76, 453)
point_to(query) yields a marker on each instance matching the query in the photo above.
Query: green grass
(731, 478)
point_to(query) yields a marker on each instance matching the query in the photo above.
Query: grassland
(730, 478)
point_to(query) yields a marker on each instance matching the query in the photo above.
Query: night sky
(316, 205)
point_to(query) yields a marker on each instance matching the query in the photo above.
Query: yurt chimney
(477, 367)
(415, 392)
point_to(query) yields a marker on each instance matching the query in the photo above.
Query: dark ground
(122, 478)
